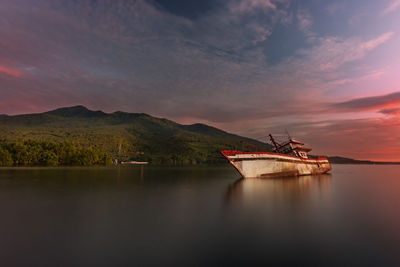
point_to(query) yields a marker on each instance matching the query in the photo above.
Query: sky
(327, 71)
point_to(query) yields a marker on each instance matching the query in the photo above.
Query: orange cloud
(11, 72)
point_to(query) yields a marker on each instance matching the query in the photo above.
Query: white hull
(265, 164)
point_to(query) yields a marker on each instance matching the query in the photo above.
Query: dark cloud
(132, 55)
(368, 103)
(390, 111)
(188, 9)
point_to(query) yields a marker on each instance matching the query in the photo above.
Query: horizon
(327, 72)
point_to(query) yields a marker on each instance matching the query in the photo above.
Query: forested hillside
(45, 153)
(118, 135)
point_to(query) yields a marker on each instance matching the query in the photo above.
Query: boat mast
(273, 142)
(287, 132)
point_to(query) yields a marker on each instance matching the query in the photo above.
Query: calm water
(198, 216)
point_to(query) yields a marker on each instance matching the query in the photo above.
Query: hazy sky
(328, 71)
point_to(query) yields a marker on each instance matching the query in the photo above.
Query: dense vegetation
(122, 136)
(45, 153)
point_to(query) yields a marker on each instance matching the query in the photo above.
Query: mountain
(76, 111)
(122, 135)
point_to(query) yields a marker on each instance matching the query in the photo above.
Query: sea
(198, 216)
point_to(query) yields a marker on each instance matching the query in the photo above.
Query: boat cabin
(290, 147)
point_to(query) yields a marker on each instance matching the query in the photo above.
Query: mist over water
(203, 215)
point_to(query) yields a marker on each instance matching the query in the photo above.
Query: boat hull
(266, 164)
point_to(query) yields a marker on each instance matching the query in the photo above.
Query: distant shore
(33, 153)
(343, 160)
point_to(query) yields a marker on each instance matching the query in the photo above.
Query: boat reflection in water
(290, 220)
(279, 191)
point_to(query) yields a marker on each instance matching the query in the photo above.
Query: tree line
(47, 153)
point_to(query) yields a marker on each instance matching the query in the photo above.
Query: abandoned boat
(289, 158)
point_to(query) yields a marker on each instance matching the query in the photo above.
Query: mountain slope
(125, 135)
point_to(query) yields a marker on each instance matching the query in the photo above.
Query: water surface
(198, 216)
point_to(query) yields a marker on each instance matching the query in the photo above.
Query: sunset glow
(10, 72)
(328, 71)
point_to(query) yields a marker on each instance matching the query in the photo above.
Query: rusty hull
(266, 164)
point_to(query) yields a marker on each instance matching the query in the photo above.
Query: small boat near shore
(135, 162)
(289, 158)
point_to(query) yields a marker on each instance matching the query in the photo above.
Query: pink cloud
(11, 72)
(377, 41)
(392, 7)
(333, 52)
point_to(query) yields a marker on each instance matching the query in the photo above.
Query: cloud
(239, 26)
(392, 7)
(11, 72)
(245, 6)
(391, 111)
(336, 7)
(367, 46)
(305, 22)
(333, 52)
(371, 103)
(373, 74)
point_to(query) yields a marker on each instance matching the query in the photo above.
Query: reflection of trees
(284, 189)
